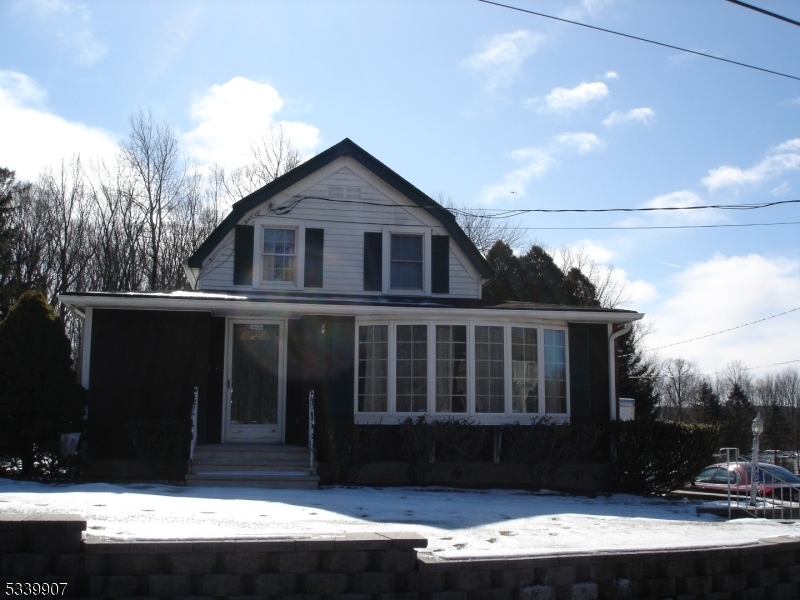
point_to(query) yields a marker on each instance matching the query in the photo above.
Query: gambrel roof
(344, 148)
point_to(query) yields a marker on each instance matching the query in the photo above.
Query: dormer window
(280, 254)
(406, 262)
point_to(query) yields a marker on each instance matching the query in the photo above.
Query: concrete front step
(252, 465)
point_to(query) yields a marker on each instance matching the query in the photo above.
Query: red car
(772, 481)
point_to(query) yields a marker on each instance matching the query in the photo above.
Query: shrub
(655, 457)
(39, 397)
(163, 444)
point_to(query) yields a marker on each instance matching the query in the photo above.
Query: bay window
(411, 379)
(373, 358)
(451, 368)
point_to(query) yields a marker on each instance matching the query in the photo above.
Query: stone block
(781, 558)
(782, 591)
(65, 564)
(346, 562)
(25, 565)
(218, 585)
(468, 581)
(751, 594)
(397, 596)
(713, 566)
(660, 587)
(275, 584)
(94, 564)
(764, 578)
(10, 542)
(537, 592)
(425, 582)
(190, 564)
(394, 561)
(494, 594)
(113, 586)
(52, 542)
(134, 564)
(750, 562)
(730, 582)
(169, 586)
(618, 589)
(673, 569)
(603, 572)
(699, 584)
(790, 574)
(324, 583)
(584, 591)
(566, 575)
(350, 597)
(632, 570)
(374, 583)
(298, 562)
(513, 578)
(449, 596)
(244, 563)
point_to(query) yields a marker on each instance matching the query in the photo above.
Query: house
(343, 278)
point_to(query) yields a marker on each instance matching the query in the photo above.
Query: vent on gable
(344, 192)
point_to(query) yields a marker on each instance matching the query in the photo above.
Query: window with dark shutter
(243, 255)
(313, 265)
(440, 264)
(373, 261)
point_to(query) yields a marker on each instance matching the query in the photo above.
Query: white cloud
(611, 75)
(724, 292)
(536, 161)
(585, 8)
(636, 115)
(781, 158)
(70, 23)
(231, 116)
(584, 142)
(34, 138)
(562, 99)
(501, 56)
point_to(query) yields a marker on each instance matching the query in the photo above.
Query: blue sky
(491, 106)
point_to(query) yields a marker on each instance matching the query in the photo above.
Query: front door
(255, 394)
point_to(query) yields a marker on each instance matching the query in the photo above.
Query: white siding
(344, 224)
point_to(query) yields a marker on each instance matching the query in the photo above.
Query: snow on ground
(457, 523)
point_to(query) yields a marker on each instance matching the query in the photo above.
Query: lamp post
(758, 429)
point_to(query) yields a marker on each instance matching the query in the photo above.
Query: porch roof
(297, 303)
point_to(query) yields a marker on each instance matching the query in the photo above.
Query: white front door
(254, 404)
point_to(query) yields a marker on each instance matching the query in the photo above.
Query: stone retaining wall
(377, 566)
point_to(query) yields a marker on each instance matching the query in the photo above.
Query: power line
(766, 12)
(729, 329)
(633, 227)
(641, 39)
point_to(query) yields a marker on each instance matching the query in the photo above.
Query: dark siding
(243, 255)
(588, 366)
(373, 261)
(343, 330)
(144, 365)
(296, 403)
(440, 264)
(209, 422)
(315, 240)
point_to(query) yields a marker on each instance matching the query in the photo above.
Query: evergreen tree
(709, 407)
(777, 427)
(637, 375)
(7, 235)
(39, 398)
(737, 419)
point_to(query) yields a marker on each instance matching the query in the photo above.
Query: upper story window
(406, 262)
(280, 254)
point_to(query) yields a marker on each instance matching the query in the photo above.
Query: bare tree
(610, 290)
(679, 384)
(481, 227)
(734, 373)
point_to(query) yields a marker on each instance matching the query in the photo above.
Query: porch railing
(193, 444)
(311, 431)
(776, 498)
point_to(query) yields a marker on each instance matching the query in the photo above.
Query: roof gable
(344, 148)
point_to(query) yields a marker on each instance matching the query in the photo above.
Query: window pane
(406, 262)
(524, 370)
(373, 368)
(451, 368)
(555, 371)
(279, 255)
(489, 370)
(411, 393)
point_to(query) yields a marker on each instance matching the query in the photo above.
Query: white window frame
(392, 416)
(386, 259)
(300, 254)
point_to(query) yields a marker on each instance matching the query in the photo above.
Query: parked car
(772, 481)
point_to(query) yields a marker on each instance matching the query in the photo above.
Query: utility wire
(641, 39)
(729, 329)
(633, 227)
(766, 12)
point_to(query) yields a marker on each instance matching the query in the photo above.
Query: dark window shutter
(373, 261)
(440, 264)
(313, 269)
(243, 255)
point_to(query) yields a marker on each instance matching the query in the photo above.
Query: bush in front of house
(656, 457)
(39, 397)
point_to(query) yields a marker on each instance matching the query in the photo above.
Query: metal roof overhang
(243, 306)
